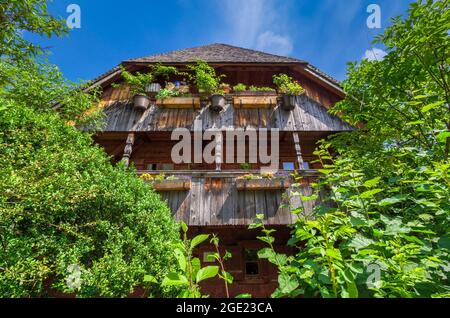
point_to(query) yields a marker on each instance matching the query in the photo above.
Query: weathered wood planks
(310, 116)
(216, 201)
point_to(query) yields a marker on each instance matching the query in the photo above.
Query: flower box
(179, 102)
(262, 184)
(172, 185)
(255, 101)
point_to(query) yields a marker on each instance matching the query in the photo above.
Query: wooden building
(221, 201)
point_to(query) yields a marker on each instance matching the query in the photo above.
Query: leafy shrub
(287, 85)
(240, 87)
(205, 77)
(62, 203)
(137, 82)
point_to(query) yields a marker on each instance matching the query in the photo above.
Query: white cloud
(274, 43)
(374, 54)
(258, 24)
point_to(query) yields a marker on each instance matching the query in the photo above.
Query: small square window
(306, 165)
(151, 166)
(251, 262)
(288, 166)
(166, 166)
(208, 257)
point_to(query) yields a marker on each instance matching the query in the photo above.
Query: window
(166, 166)
(151, 166)
(306, 165)
(208, 257)
(251, 262)
(288, 166)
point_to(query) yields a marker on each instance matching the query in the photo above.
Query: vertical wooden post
(128, 149)
(218, 150)
(298, 150)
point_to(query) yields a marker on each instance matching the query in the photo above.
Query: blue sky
(326, 33)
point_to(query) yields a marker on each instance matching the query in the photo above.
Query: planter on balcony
(179, 102)
(141, 102)
(289, 102)
(217, 102)
(266, 100)
(262, 184)
(172, 185)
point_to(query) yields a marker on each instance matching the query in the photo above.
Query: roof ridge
(188, 51)
(257, 51)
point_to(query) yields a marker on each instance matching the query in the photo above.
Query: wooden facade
(215, 200)
(212, 198)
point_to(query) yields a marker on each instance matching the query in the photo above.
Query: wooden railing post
(128, 149)
(298, 150)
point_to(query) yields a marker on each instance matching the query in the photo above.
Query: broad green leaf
(181, 258)
(370, 193)
(199, 239)
(352, 289)
(266, 253)
(227, 277)
(442, 136)
(333, 253)
(429, 107)
(195, 263)
(174, 279)
(287, 283)
(309, 198)
(244, 296)
(150, 279)
(390, 201)
(267, 239)
(359, 241)
(372, 182)
(206, 272)
(184, 227)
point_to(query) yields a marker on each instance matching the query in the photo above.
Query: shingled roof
(216, 53)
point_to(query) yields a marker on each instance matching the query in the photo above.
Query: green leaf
(352, 289)
(372, 182)
(244, 296)
(429, 107)
(206, 272)
(174, 279)
(198, 240)
(195, 263)
(287, 283)
(360, 242)
(390, 201)
(181, 258)
(227, 277)
(333, 253)
(266, 253)
(267, 239)
(443, 135)
(184, 227)
(370, 193)
(305, 198)
(150, 279)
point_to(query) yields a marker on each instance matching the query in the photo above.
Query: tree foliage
(63, 206)
(382, 229)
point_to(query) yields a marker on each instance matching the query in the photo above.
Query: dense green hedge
(63, 203)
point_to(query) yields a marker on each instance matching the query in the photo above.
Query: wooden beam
(128, 149)
(298, 150)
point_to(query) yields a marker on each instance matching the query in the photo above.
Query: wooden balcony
(217, 198)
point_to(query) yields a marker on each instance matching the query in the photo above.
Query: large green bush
(63, 203)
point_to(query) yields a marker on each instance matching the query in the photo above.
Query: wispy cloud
(274, 43)
(258, 24)
(374, 54)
